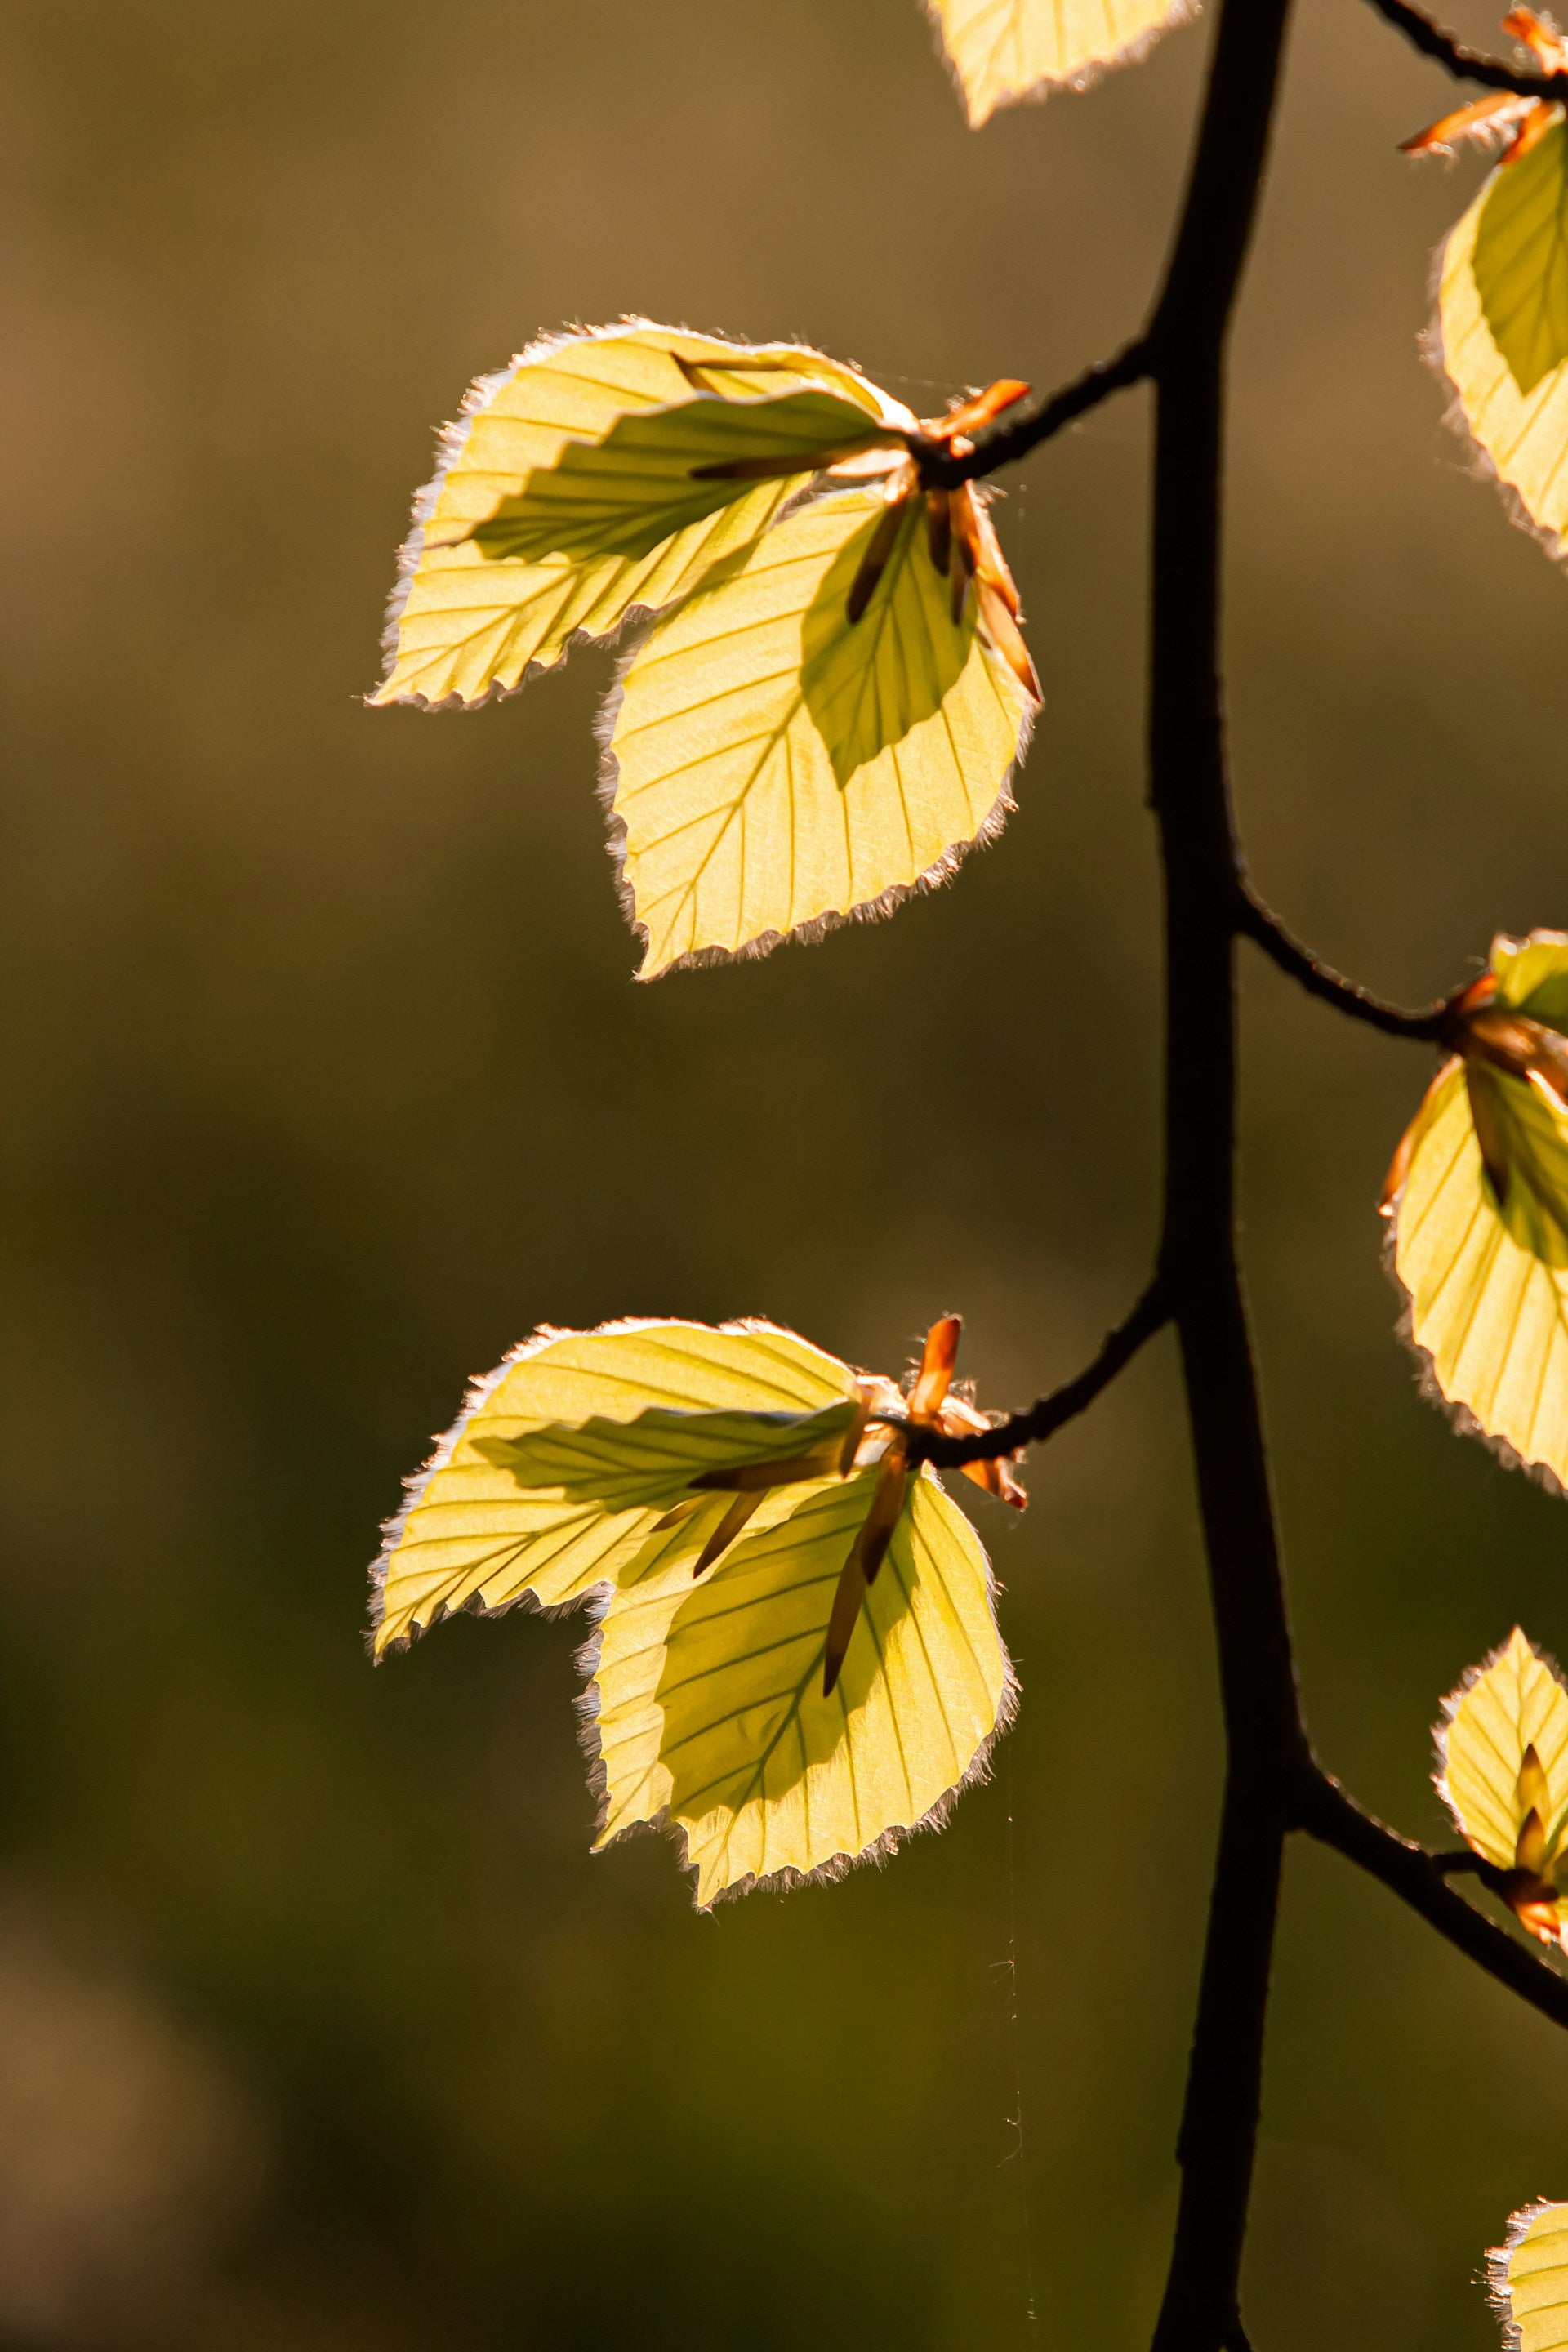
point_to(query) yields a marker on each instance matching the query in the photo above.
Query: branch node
(1015, 435)
(1048, 1413)
(1420, 1879)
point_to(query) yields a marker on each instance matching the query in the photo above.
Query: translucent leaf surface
(1520, 262)
(652, 474)
(466, 619)
(1503, 312)
(1514, 1701)
(470, 1532)
(772, 765)
(1528, 2275)
(1003, 50)
(708, 1703)
(1488, 1286)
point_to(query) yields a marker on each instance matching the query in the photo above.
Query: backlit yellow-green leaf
(706, 1698)
(1512, 1701)
(652, 474)
(772, 765)
(1502, 314)
(1528, 2276)
(471, 1533)
(1003, 50)
(466, 621)
(1486, 1278)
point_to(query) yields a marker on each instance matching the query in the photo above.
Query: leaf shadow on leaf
(652, 1460)
(1520, 261)
(867, 683)
(1535, 1135)
(627, 493)
(741, 1686)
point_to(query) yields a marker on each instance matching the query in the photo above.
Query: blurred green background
(324, 1081)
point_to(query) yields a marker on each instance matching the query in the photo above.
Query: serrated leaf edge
(1497, 2263)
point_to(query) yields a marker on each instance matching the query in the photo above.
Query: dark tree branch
(1418, 1879)
(1047, 1414)
(1014, 437)
(1189, 790)
(1262, 926)
(1466, 64)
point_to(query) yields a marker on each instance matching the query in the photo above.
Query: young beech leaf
(470, 614)
(1478, 1203)
(774, 763)
(1527, 2279)
(1502, 297)
(471, 1533)
(706, 1704)
(1503, 1758)
(1003, 50)
(797, 1657)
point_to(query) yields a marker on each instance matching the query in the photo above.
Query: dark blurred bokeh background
(325, 1080)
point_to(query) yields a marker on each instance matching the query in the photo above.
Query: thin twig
(1047, 1414)
(1014, 436)
(1417, 1877)
(1262, 926)
(1467, 1863)
(1467, 64)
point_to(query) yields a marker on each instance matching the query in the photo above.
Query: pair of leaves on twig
(796, 1659)
(828, 712)
(1502, 1755)
(1502, 296)
(1477, 1202)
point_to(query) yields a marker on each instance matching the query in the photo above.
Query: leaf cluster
(823, 697)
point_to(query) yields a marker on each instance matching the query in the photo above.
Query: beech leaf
(1503, 327)
(706, 1704)
(469, 617)
(1003, 50)
(774, 765)
(1478, 1203)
